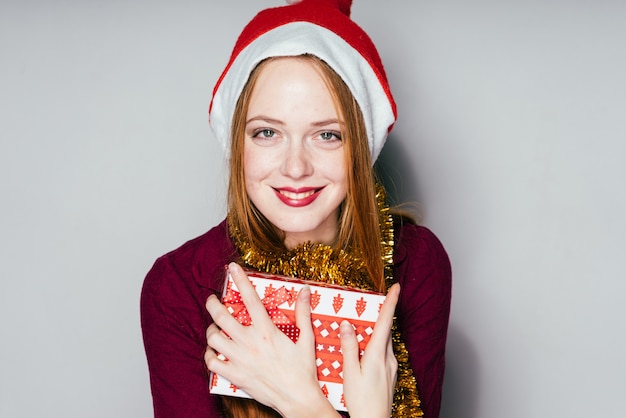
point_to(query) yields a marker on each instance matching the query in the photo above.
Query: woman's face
(293, 154)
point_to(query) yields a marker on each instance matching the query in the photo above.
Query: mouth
(298, 197)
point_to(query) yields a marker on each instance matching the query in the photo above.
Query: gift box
(330, 305)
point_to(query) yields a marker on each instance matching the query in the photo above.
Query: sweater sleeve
(425, 277)
(174, 321)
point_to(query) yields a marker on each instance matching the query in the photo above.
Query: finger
(303, 317)
(216, 343)
(224, 320)
(220, 314)
(382, 329)
(349, 350)
(392, 361)
(211, 359)
(250, 298)
(389, 306)
(217, 365)
(218, 340)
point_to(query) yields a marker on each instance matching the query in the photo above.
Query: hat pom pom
(343, 6)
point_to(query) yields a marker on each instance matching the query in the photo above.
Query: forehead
(291, 84)
(306, 61)
(287, 69)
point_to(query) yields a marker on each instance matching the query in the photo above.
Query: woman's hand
(369, 384)
(262, 360)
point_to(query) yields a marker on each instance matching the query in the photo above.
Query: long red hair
(359, 220)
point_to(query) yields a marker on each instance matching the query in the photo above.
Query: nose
(297, 161)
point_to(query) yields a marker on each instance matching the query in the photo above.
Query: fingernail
(305, 293)
(345, 328)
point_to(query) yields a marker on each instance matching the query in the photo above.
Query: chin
(303, 233)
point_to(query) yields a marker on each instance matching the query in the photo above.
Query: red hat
(318, 27)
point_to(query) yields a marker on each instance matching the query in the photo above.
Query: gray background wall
(511, 139)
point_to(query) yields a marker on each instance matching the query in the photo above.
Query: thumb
(350, 350)
(303, 317)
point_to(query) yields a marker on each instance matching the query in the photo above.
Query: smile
(298, 197)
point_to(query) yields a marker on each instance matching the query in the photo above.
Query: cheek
(336, 168)
(250, 165)
(256, 167)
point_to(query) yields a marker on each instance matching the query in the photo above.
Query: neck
(292, 240)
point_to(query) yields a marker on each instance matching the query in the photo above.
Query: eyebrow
(327, 122)
(265, 119)
(280, 122)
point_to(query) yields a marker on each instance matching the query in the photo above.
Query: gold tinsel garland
(320, 262)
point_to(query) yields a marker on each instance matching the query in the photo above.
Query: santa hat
(318, 27)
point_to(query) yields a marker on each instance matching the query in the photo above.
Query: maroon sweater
(174, 318)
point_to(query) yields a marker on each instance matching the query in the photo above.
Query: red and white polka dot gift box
(329, 306)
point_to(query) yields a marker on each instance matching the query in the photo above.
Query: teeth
(297, 196)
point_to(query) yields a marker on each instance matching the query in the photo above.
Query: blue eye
(264, 133)
(330, 136)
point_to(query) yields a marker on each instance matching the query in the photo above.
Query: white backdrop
(511, 138)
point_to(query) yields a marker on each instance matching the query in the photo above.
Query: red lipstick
(299, 197)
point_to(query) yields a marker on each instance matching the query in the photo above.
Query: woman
(303, 108)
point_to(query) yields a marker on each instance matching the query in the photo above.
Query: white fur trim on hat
(299, 38)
